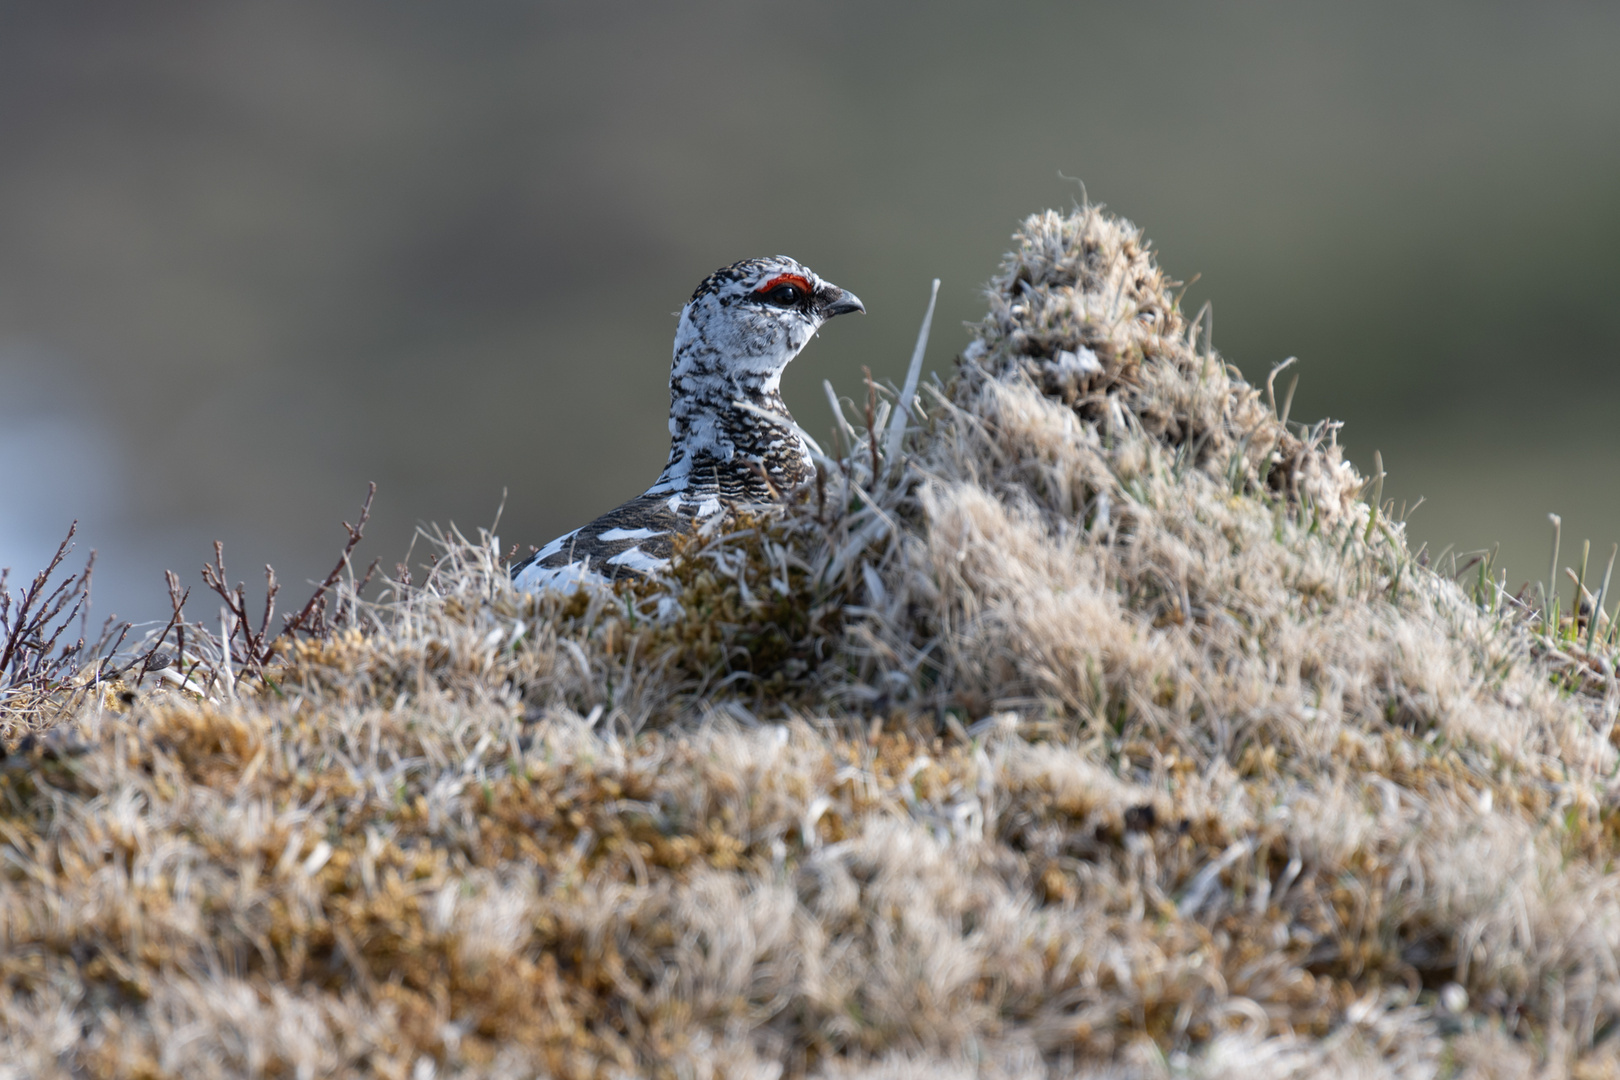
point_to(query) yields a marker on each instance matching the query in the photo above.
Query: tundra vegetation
(1101, 722)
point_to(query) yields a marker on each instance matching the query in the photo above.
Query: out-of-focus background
(253, 256)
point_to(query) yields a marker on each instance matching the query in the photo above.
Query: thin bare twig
(29, 624)
(33, 623)
(356, 531)
(871, 419)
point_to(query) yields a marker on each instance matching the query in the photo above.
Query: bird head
(748, 320)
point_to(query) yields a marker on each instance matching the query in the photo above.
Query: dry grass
(1112, 734)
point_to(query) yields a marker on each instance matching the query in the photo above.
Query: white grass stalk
(1602, 598)
(840, 424)
(1550, 601)
(227, 628)
(1271, 389)
(897, 426)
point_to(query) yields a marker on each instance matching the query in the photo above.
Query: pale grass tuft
(1099, 729)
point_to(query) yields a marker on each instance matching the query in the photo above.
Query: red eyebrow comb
(786, 279)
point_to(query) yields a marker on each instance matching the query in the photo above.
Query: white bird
(741, 328)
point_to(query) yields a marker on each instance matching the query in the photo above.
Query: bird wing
(634, 538)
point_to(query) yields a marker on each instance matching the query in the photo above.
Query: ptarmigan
(736, 335)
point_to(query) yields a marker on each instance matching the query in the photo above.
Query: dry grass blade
(1602, 598)
(902, 409)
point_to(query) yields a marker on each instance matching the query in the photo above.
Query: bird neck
(731, 435)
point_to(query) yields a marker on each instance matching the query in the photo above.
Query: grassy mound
(1106, 731)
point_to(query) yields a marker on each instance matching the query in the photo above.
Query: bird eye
(785, 295)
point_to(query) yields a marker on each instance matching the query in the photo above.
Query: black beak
(836, 301)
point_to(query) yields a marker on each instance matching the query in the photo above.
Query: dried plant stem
(1549, 615)
(1598, 613)
(356, 533)
(897, 424)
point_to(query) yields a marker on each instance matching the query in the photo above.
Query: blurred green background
(252, 256)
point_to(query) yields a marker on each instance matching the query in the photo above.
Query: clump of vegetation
(1098, 721)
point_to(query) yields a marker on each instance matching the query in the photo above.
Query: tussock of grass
(1112, 734)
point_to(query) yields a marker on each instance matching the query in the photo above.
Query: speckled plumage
(737, 333)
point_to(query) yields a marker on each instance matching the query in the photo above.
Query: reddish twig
(29, 624)
(255, 649)
(871, 418)
(33, 623)
(300, 620)
(342, 617)
(177, 623)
